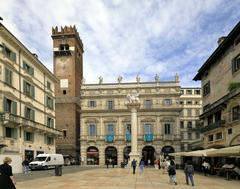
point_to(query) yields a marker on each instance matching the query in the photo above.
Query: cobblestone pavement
(118, 178)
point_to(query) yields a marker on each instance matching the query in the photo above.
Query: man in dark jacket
(189, 172)
(134, 164)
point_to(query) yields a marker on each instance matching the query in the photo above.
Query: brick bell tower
(68, 68)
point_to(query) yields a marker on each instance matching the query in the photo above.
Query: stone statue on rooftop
(120, 79)
(100, 80)
(157, 78)
(138, 78)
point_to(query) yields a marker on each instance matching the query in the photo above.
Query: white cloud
(127, 37)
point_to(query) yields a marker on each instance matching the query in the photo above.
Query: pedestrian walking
(134, 164)
(158, 162)
(172, 172)
(25, 165)
(107, 162)
(113, 163)
(206, 167)
(149, 162)
(189, 172)
(7, 180)
(141, 165)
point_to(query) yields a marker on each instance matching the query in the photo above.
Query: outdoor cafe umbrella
(228, 151)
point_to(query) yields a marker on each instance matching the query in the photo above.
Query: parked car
(46, 161)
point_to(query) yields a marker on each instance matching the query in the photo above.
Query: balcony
(110, 138)
(148, 137)
(10, 119)
(213, 126)
(128, 137)
(91, 138)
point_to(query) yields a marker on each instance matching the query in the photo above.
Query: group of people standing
(170, 168)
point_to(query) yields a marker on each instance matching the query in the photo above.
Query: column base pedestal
(135, 156)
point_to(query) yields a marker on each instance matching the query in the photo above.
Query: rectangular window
(10, 106)
(206, 89)
(182, 135)
(28, 136)
(128, 129)
(197, 112)
(167, 102)
(50, 140)
(92, 103)
(181, 124)
(210, 119)
(181, 102)
(189, 112)
(189, 92)
(110, 105)
(197, 135)
(9, 54)
(236, 113)
(11, 132)
(28, 89)
(189, 102)
(8, 76)
(48, 85)
(64, 133)
(148, 104)
(29, 113)
(110, 129)
(147, 128)
(167, 129)
(190, 136)
(218, 136)
(182, 91)
(92, 130)
(197, 92)
(49, 102)
(236, 64)
(28, 68)
(210, 138)
(189, 125)
(230, 131)
(50, 122)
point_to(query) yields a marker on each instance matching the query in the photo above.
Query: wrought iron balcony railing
(110, 138)
(148, 137)
(212, 126)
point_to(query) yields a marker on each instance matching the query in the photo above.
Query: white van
(45, 161)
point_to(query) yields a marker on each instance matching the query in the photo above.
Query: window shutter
(13, 56)
(32, 137)
(32, 91)
(4, 49)
(32, 115)
(25, 112)
(5, 104)
(25, 135)
(45, 139)
(24, 87)
(15, 133)
(14, 108)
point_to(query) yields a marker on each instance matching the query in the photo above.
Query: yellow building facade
(27, 100)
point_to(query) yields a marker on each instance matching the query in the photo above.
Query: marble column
(133, 104)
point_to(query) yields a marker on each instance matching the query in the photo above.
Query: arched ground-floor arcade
(101, 154)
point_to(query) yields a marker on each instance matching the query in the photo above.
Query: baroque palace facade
(27, 98)
(95, 121)
(166, 114)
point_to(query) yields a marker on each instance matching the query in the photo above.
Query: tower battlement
(64, 30)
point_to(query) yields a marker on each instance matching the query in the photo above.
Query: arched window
(63, 47)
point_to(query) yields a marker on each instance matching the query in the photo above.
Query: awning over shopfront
(197, 153)
(228, 151)
(178, 154)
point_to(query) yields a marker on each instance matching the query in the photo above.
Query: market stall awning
(228, 151)
(199, 153)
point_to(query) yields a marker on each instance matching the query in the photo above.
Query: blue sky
(127, 37)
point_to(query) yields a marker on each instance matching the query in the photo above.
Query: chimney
(221, 39)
